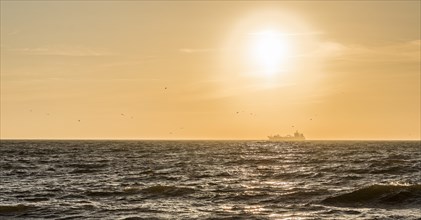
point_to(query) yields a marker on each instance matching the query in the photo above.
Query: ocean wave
(168, 190)
(104, 193)
(132, 218)
(378, 195)
(87, 165)
(388, 170)
(153, 190)
(4, 209)
(138, 218)
(126, 191)
(81, 171)
(37, 199)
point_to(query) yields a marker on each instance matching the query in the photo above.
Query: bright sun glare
(269, 51)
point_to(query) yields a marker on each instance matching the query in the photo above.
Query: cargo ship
(297, 137)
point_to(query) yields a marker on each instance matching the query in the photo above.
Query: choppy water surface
(210, 180)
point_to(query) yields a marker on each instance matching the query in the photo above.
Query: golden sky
(210, 70)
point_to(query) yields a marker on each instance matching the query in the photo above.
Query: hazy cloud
(63, 51)
(408, 51)
(130, 61)
(290, 34)
(13, 32)
(197, 50)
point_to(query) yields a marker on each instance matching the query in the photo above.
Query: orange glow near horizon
(210, 70)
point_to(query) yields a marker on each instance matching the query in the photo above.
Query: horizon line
(186, 139)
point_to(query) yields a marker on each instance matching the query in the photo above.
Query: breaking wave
(393, 195)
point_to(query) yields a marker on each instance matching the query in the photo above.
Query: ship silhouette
(297, 137)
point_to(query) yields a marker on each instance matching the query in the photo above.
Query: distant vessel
(297, 137)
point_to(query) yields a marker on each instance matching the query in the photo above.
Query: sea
(69, 179)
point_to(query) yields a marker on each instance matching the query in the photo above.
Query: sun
(269, 51)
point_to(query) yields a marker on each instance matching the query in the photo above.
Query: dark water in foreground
(210, 180)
